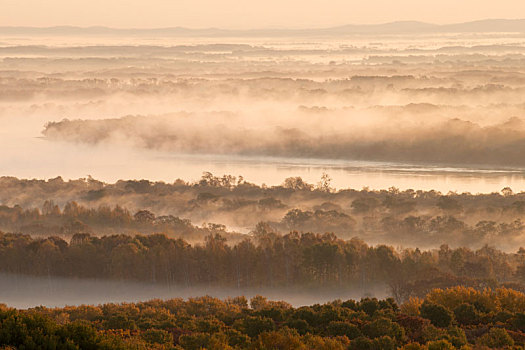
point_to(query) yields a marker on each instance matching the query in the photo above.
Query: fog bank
(22, 292)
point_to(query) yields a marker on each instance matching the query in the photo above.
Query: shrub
(466, 314)
(440, 345)
(157, 336)
(496, 338)
(438, 315)
(347, 329)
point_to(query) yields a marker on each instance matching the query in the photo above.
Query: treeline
(409, 218)
(77, 219)
(264, 259)
(456, 318)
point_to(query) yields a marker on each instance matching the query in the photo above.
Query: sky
(246, 14)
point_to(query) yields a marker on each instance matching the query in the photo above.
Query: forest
(233, 207)
(404, 243)
(304, 261)
(445, 319)
(453, 268)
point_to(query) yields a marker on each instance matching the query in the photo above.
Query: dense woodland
(297, 236)
(77, 219)
(321, 238)
(457, 318)
(424, 219)
(265, 259)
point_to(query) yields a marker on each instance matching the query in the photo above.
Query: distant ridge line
(400, 27)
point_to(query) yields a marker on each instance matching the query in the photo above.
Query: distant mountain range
(404, 27)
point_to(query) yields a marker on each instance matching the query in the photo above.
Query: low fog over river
(25, 291)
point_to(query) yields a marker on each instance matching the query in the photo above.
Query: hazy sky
(248, 13)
